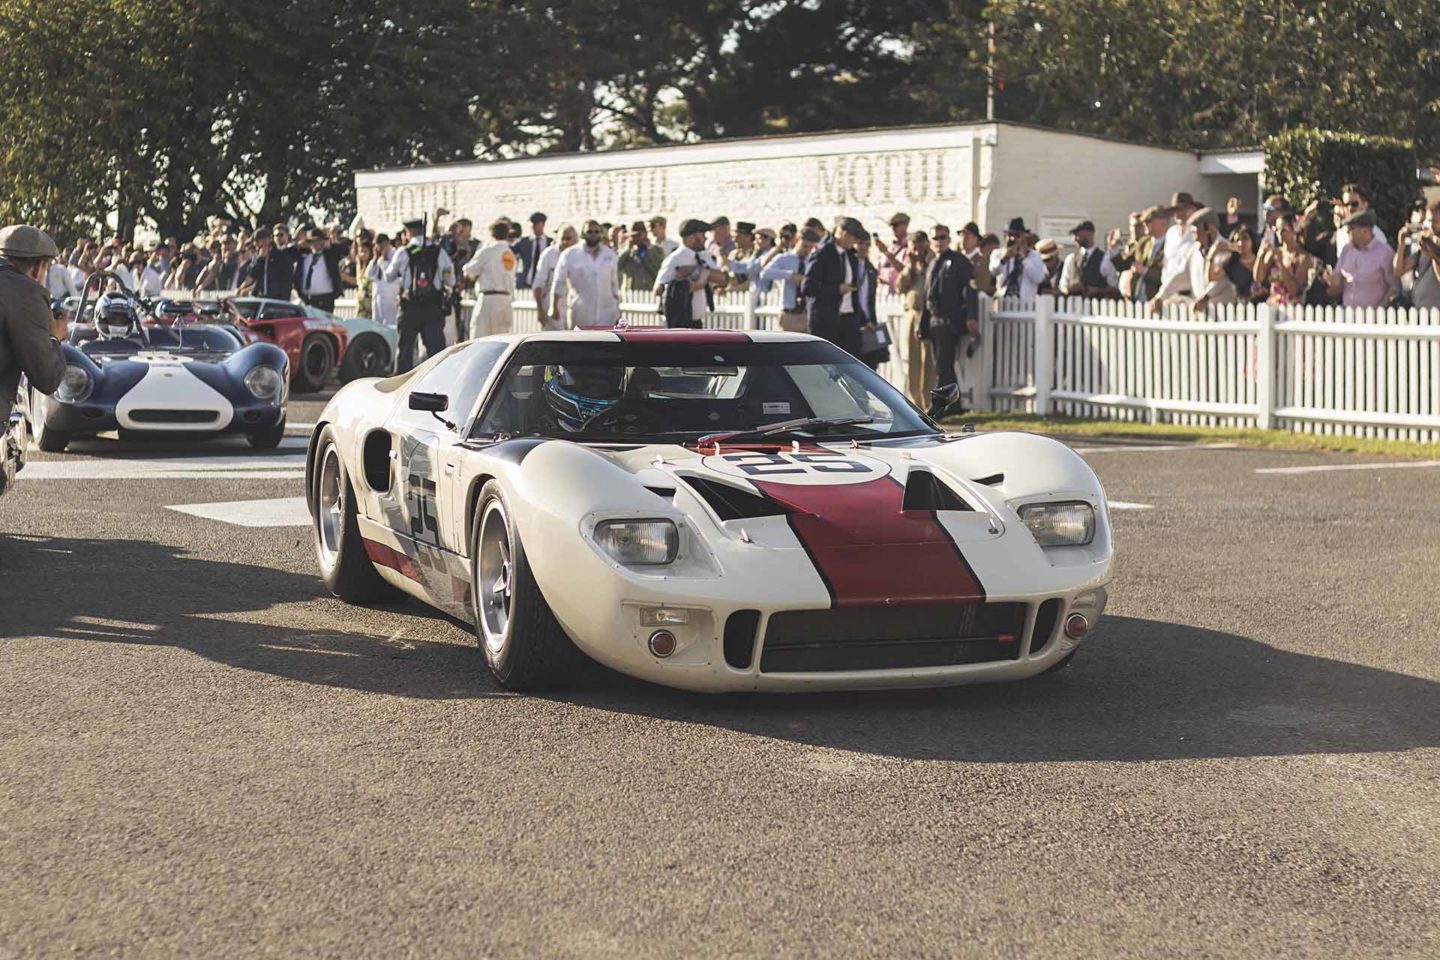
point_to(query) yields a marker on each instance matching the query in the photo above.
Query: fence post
(1044, 360)
(752, 318)
(1265, 362)
(985, 391)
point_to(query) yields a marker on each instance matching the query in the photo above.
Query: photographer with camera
(29, 331)
(1417, 257)
(1018, 268)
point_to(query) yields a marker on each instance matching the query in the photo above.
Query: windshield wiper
(783, 426)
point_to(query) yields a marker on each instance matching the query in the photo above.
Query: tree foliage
(170, 110)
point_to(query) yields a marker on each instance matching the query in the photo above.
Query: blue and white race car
(184, 380)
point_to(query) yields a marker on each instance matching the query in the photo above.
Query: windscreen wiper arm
(783, 426)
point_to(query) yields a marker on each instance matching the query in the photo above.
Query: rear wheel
(317, 363)
(46, 438)
(524, 644)
(368, 355)
(344, 565)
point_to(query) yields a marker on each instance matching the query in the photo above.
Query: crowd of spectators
(828, 275)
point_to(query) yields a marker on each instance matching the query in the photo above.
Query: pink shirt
(1368, 274)
(889, 276)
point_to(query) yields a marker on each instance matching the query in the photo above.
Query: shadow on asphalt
(1140, 690)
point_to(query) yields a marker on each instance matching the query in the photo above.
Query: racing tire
(368, 355)
(524, 645)
(316, 366)
(335, 526)
(269, 438)
(46, 438)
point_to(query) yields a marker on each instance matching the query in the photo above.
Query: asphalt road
(202, 754)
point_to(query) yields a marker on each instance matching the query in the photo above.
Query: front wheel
(524, 645)
(317, 364)
(46, 438)
(344, 564)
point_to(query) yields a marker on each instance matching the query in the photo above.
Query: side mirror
(429, 402)
(942, 398)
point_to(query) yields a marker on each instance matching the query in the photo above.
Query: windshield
(631, 392)
(185, 339)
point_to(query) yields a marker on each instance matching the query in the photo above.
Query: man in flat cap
(721, 242)
(894, 256)
(1364, 274)
(1144, 257)
(426, 275)
(832, 278)
(688, 278)
(1088, 271)
(529, 250)
(29, 332)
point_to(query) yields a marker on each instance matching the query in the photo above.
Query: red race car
(314, 341)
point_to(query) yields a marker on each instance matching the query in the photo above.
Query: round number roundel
(805, 467)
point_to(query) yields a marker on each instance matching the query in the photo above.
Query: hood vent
(732, 503)
(664, 493)
(924, 491)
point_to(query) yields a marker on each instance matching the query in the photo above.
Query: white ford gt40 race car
(712, 510)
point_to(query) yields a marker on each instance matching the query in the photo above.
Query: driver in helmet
(115, 316)
(576, 394)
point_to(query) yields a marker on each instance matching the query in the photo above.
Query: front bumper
(728, 646)
(89, 418)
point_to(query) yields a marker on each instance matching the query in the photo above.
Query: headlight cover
(1067, 524)
(263, 382)
(639, 542)
(75, 385)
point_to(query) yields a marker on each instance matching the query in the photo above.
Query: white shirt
(385, 298)
(592, 285)
(399, 267)
(122, 272)
(669, 245)
(60, 282)
(1179, 241)
(1070, 273)
(1032, 273)
(493, 268)
(1196, 275)
(545, 282)
(152, 281)
(1342, 238)
(670, 269)
(847, 304)
(315, 276)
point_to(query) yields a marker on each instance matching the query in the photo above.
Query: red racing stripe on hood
(869, 551)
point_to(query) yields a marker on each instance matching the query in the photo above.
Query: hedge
(1304, 165)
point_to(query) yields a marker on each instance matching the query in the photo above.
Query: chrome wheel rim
(494, 578)
(329, 508)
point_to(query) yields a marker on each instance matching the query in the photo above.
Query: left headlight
(1069, 524)
(75, 385)
(263, 382)
(639, 542)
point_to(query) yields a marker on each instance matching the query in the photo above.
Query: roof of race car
(656, 335)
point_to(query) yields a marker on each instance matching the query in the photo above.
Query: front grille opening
(1045, 619)
(732, 503)
(740, 638)
(891, 638)
(924, 491)
(174, 416)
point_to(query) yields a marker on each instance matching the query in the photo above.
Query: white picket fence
(1312, 369)
(1323, 370)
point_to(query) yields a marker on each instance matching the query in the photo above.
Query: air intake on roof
(924, 491)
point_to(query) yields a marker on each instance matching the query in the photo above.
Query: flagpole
(990, 76)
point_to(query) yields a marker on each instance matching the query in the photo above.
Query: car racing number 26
(808, 467)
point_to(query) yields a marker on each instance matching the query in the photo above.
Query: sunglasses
(942, 237)
(1353, 205)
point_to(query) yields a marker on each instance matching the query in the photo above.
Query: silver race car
(712, 510)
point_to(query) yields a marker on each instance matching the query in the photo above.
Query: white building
(951, 173)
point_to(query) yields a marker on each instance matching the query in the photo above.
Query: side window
(275, 311)
(460, 376)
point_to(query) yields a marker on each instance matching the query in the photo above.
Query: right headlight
(639, 542)
(1067, 524)
(263, 382)
(75, 385)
